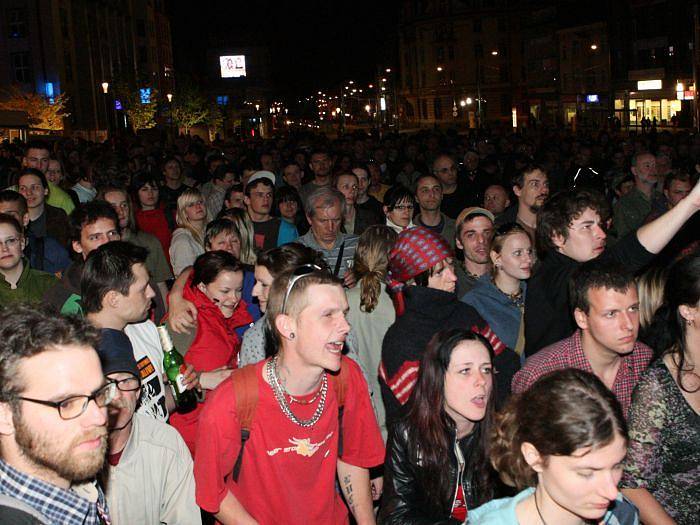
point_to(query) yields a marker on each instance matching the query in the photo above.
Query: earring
(291, 335)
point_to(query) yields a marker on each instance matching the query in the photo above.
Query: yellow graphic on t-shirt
(303, 447)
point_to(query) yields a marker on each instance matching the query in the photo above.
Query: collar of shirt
(58, 505)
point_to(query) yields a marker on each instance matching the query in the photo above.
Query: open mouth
(480, 400)
(335, 347)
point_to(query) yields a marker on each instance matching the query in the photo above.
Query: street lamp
(594, 46)
(438, 69)
(368, 108)
(105, 87)
(388, 70)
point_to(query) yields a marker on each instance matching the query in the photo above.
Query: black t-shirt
(454, 203)
(266, 234)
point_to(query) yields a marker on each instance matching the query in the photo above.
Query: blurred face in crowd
(586, 237)
(347, 185)
(516, 257)
(37, 158)
(57, 450)
(496, 199)
(54, 173)
(663, 165)
(31, 188)
(475, 239)
(121, 409)
(581, 486)
(263, 282)
(292, 175)
(226, 241)
(15, 209)
(237, 200)
(443, 276)
(325, 224)
(172, 171)
(362, 182)
(468, 384)
(445, 169)
(266, 162)
(644, 170)
(625, 188)
(196, 211)
(429, 194)
(677, 190)
(224, 291)
(321, 165)
(535, 190)
(227, 181)
(259, 203)
(612, 322)
(401, 213)
(471, 161)
(11, 246)
(94, 235)
(288, 209)
(120, 203)
(148, 196)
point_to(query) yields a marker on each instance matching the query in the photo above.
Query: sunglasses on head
(298, 273)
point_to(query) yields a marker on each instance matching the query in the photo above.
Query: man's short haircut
(426, 176)
(674, 175)
(519, 178)
(323, 197)
(109, 268)
(88, 213)
(221, 171)
(320, 151)
(257, 182)
(36, 173)
(26, 331)
(597, 274)
(15, 196)
(557, 214)
(296, 302)
(438, 157)
(36, 144)
(635, 157)
(290, 162)
(6, 218)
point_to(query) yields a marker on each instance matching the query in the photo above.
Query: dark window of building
(422, 78)
(478, 50)
(21, 65)
(477, 25)
(504, 74)
(506, 104)
(440, 53)
(451, 52)
(63, 15)
(502, 24)
(437, 108)
(17, 23)
(143, 54)
(140, 28)
(67, 64)
(424, 105)
(409, 110)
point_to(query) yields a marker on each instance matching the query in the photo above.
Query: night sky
(314, 44)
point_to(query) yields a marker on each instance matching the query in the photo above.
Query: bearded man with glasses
(53, 419)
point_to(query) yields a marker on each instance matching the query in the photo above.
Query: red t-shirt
(155, 223)
(288, 472)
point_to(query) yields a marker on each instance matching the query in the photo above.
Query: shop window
(477, 25)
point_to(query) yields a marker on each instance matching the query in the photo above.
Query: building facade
(75, 46)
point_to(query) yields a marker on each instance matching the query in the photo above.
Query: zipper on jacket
(460, 472)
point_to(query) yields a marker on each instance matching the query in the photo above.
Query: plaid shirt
(58, 505)
(568, 353)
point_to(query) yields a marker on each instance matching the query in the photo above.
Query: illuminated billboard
(232, 66)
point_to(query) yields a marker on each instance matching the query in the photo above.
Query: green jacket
(31, 286)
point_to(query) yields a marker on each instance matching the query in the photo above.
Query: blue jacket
(502, 315)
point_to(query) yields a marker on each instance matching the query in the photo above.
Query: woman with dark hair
(436, 467)
(289, 207)
(562, 443)
(662, 470)
(215, 289)
(150, 214)
(398, 208)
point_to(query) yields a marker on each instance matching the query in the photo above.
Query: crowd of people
(489, 328)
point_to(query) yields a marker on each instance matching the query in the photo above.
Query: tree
(43, 114)
(141, 112)
(189, 107)
(215, 121)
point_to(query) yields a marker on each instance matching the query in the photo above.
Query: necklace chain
(274, 380)
(515, 298)
(538, 509)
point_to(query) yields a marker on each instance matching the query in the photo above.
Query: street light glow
(367, 108)
(170, 97)
(462, 103)
(105, 87)
(388, 70)
(494, 52)
(594, 46)
(469, 100)
(438, 69)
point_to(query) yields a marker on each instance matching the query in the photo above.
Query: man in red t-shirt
(289, 464)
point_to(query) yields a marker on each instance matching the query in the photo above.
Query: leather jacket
(404, 501)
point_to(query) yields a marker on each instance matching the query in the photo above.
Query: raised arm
(655, 235)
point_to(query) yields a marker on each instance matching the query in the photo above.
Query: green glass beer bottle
(185, 400)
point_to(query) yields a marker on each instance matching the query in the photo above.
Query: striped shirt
(80, 505)
(349, 243)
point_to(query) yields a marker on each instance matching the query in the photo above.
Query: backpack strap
(245, 386)
(340, 386)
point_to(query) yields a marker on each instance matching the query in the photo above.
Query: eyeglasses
(127, 384)
(402, 207)
(75, 406)
(298, 273)
(10, 242)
